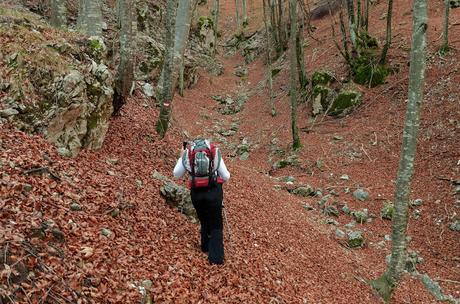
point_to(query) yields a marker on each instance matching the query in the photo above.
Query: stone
(361, 216)
(5, 113)
(241, 72)
(179, 198)
(308, 207)
(322, 77)
(331, 221)
(340, 234)
(457, 189)
(416, 214)
(112, 161)
(75, 206)
(417, 202)
(115, 212)
(345, 103)
(304, 191)
(290, 161)
(361, 194)
(58, 235)
(435, 289)
(331, 210)
(454, 3)
(412, 259)
(106, 232)
(346, 209)
(244, 156)
(350, 225)
(337, 137)
(27, 188)
(286, 179)
(387, 237)
(387, 211)
(148, 90)
(355, 239)
(345, 177)
(455, 226)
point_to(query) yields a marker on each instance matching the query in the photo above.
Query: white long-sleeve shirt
(180, 168)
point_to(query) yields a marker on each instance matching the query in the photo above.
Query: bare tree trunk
(269, 59)
(303, 81)
(245, 13)
(182, 29)
(352, 23)
(293, 74)
(445, 45)
(237, 11)
(165, 90)
(215, 18)
(366, 16)
(388, 281)
(90, 16)
(383, 59)
(125, 75)
(58, 13)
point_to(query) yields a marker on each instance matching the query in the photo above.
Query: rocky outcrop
(58, 90)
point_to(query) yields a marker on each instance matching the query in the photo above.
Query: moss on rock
(322, 77)
(346, 102)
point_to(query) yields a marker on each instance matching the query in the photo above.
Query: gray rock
(412, 259)
(304, 191)
(331, 210)
(286, 179)
(106, 232)
(416, 214)
(345, 177)
(454, 3)
(308, 207)
(340, 234)
(361, 194)
(387, 211)
(27, 188)
(355, 239)
(350, 225)
(455, 226)
(337, 137)
(290, 161)
(5, 113)
(361, 216)
(112, 161)
(148, 90)
(75, 206)
(457, 189)
(115, 212)
(330, 221)
(387, 237)
(346, 209)
(241, 72)
(417, 202)
(179, 198)
(158, 176)
(244, 156)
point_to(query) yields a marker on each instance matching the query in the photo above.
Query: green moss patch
(346, 101)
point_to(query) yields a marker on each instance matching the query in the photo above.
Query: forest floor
(277, 251)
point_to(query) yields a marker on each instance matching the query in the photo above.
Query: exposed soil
(276, 251)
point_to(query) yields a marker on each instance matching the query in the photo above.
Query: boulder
(290, 161)
(361, 216)
(331, 210)
(361, 194)
(355, 239)
(455, 226)
(177, 196)
(387, 211)
(304, 191)
(322, 77)
(345, 102)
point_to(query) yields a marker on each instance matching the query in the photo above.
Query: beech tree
(269, 59)
(388, 36)
(58, 13)
(164, 89)
(90, 17)
(125, 74)
(389, 280)
(293, 73)
(445, 33)
(215, 20)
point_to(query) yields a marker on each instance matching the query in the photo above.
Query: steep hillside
(95, 229)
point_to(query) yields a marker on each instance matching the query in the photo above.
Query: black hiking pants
(208, 205)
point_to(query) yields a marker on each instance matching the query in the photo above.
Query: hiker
(203, 161)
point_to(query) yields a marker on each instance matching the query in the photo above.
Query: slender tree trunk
(125, 75)
(81, 14)
(215, 18)
(269, 59)
(90, 17)
(165, 90)
(352, 23)
(245, 13)
(293, 74)
(385, 284)
(366, 16)
(58, 13)
(445, 46)
(358, 15)
(182, 29)
(383, 59)
(303, 81)
(237, 13)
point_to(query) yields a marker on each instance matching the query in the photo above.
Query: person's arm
(179, 169)
(222, 171)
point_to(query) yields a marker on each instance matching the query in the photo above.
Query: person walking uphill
(203, 161)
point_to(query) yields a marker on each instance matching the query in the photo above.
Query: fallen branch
(42, 170)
